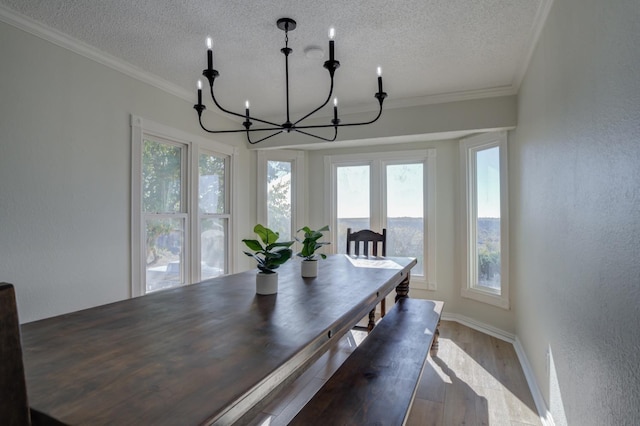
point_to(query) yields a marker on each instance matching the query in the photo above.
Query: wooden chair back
(14, 407)
(363, 238)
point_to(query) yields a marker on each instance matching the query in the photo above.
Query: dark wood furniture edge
(41, 419)
(14, 404)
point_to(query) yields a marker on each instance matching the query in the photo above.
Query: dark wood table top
(200, 354)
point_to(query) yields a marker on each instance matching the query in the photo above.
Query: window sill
(486, 296)
(419, 282)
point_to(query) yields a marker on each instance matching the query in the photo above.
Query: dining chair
(14, 407)
(365, 238)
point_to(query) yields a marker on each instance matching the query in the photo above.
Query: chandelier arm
(364, 122)
(321, 106)
(342, 125)
(215, 101)
(335, 135)
(278, 128)
(260, 140)
(218, 131)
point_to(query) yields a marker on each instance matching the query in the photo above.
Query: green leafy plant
(269, 254)
(310, 243)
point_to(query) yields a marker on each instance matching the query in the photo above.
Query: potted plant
(310, 244)
(269, 255)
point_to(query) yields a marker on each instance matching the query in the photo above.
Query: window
(181, 208)
(213, 214)
(405, 211)
(164, 212)
(353, 206)
(484, 165)
(395, 191)
(280, 199)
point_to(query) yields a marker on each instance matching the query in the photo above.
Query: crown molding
(417, 101)
(536, 30)
(58, 38)
(443, 98)
(466, 95)
(65, 41)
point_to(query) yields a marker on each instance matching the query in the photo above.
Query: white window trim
(196, 246)
(298, 200)
(195, 145)
(377, 162)
(467, 224)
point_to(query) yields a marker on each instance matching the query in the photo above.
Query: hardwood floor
(475, 379)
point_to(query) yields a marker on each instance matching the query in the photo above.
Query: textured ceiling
(429, 49)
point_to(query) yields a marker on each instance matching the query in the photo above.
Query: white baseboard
(480, 326)
(541, 406)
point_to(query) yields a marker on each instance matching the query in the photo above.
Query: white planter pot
(309, 268)
(266, 283)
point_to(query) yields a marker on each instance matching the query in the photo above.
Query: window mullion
(193, 224)
(376, 196)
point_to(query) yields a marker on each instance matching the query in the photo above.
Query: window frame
(182, 215)
(194, 146)
(377, 161)
(298, 200)
(468, 181)
(197, 246)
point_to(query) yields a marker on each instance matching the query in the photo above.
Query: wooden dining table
(207, 353)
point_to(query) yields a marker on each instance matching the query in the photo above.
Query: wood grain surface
(201, 354)
(377, 383)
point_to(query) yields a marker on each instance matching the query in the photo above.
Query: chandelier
(286, 25)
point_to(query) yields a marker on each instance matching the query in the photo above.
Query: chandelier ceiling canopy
(270, 128)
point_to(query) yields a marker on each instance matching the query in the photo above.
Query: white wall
(575, 212)
(448, 276)
(65, 144)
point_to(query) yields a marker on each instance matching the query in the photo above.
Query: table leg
(435, 345)
(372, 320)
(402, 289)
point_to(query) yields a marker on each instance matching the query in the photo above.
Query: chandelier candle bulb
(209, 54)
(379, 80)
(332, 34)
(246, 109)
(199, 92)
(335, 108)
